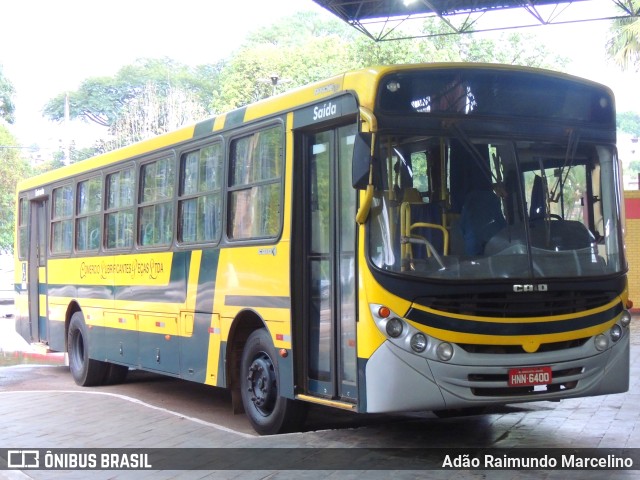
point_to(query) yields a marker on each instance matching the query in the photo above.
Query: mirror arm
(363, 211)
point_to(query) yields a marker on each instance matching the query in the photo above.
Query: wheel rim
(262, 385)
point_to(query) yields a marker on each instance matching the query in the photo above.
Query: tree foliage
(628, 122)
(103, 100)
(623, 46)
(12, 169)
(152, 113)
(7, 107)
(153, 96)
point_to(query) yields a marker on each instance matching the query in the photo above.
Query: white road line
(144, 404)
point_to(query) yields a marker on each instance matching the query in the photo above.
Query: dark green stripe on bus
(196, 347)
(204, 128)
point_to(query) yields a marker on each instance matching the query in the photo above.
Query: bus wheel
(85, 371)
(268, 412)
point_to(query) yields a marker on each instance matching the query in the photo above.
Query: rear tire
(268, 412)
(86, 372)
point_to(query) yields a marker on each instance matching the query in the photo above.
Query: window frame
(145, 204)
(66, 219)
(85, 215)
(218, 191)
(22, 224)
(109, 211)
(250, 186)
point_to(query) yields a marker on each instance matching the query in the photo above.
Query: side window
(62, 220)
(255, 185)
(200, 204)
(88, 217)
(155, 214)
(23, 231)
(119, 209)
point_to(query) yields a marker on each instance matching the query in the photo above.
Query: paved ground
(65, 416)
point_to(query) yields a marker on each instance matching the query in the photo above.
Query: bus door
(37, 261)
(329, 278)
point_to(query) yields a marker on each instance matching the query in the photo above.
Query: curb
(17, 358)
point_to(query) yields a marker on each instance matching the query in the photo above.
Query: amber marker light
(384, 312)
(283, 353)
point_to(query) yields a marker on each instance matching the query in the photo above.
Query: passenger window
(89, 215)
(23, 237)
(255, 186)
(155, 215)
(200, 201)
(119, 215)
(62, 220)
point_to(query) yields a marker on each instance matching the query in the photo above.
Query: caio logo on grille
(527, 288)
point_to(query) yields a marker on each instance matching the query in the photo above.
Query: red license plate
(530, 376)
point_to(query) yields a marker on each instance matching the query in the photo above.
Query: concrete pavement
(68, 417)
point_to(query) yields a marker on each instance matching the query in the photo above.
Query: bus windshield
(463, 208)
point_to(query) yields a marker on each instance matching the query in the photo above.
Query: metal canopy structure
(397, 19)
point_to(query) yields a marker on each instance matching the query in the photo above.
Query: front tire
(268, 412)
(86, 372)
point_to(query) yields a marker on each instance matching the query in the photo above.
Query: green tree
(634, 166)
(152, 113)
(322, 48)
(102, 100)
(623, 46)
(294, 51)
(7, 107)
(628, 122)
(13, 168)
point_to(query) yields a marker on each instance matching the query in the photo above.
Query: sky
(50, 46)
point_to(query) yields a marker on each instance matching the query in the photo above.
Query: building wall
(632, 240)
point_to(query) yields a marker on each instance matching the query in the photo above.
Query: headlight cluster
(615, 333)
(402, 334)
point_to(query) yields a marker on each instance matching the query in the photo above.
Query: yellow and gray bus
(400, 238)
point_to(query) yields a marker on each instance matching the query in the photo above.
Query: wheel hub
(262, 384)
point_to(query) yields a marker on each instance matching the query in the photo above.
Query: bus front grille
(517, 349)
(518, 305)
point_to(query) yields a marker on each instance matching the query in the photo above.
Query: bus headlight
(394, 327)
(403, 334)
(615, 333)
(625, 318)
(601, 342)
(444, 351)
(418, 343)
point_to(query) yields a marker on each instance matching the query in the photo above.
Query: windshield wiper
(572, 147)
(468, 145)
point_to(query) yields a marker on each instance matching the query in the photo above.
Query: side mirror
(361, 163)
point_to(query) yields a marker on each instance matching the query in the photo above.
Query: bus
(428, 237)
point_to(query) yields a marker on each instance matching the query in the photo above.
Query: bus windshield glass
(493, 207)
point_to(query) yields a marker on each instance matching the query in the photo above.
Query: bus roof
(364, 82)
